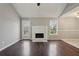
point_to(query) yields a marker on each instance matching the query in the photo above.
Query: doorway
(26, 29)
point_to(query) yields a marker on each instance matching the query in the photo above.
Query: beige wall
(40, 21)
(68, 28)
(44, 21)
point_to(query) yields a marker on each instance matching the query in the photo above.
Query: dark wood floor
(50, 48)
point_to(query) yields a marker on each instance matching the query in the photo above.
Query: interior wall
(9, 26)
(68, 28)
(40, 21)
(44, 21)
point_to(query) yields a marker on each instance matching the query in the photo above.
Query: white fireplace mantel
(39, 29)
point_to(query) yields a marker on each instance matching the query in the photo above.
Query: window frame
(56, 27)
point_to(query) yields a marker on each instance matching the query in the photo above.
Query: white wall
(9, 26)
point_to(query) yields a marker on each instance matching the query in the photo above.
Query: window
(53, 27)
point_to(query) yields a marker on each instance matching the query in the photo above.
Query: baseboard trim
(9, 45)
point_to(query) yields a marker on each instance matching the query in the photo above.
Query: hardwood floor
(50, 48)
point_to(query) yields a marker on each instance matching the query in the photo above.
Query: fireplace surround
(39, 33)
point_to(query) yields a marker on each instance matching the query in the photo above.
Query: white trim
(41, 40)
(9, 45)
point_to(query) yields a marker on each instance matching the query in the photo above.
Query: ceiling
(44, 10)
(72, 13)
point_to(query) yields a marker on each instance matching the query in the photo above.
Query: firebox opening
(39, 35)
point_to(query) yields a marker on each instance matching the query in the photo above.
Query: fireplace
(39, 35)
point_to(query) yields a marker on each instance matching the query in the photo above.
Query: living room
(39, 29)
